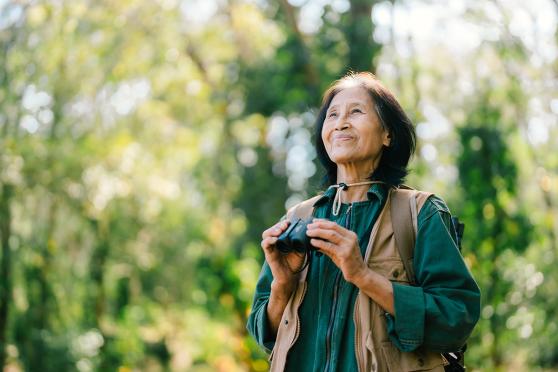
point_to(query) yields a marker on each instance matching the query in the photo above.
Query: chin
(342, 158)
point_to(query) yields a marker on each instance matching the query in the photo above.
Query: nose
(342, 122)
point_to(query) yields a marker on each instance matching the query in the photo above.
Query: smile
(342, 138)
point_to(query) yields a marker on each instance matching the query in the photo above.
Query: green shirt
(437, 314)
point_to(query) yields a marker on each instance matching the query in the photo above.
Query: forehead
(355, 94)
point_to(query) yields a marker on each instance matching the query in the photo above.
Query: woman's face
(352, 131)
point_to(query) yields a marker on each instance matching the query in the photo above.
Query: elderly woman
(352, 304)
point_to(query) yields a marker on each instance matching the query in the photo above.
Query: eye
(332, 114)
(356, 110)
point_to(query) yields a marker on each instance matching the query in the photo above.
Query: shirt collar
(376, 190)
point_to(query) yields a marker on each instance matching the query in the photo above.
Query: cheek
(374, 140)
(325, 133)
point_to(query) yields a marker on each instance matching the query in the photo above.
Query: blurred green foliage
(145, 145)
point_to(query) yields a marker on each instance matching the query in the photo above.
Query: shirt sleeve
(440, 312)
(258, 325)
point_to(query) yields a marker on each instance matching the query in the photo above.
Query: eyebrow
(330, 108)
(351, 104)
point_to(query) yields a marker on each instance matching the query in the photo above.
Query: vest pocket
(391, 268)
(396, 360)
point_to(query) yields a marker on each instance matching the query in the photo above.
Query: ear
(386, 140)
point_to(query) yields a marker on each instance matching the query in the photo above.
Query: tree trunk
(97, 297)
(5, 268)
(310, 72)
(359, 29)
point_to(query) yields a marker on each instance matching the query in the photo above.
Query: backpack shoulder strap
(406, 204)
(303, 209)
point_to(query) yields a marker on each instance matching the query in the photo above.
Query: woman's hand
(284, 267)
(341, 245)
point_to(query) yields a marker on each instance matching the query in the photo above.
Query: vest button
(395, 273)
(286, 321)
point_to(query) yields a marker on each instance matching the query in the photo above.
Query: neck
(353, 173)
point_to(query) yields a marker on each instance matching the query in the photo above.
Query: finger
(326, 234)
(276, 229)
(324, 246)
(330, 225)
(268, 242)
(325, 224)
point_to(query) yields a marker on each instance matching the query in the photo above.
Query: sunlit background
(145, 145)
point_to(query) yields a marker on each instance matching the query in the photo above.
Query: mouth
(342, 137)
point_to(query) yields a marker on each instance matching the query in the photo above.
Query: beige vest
(374, 350)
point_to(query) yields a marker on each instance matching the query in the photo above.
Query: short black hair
(392, 168)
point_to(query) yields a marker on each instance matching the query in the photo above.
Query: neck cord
(336, 207)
